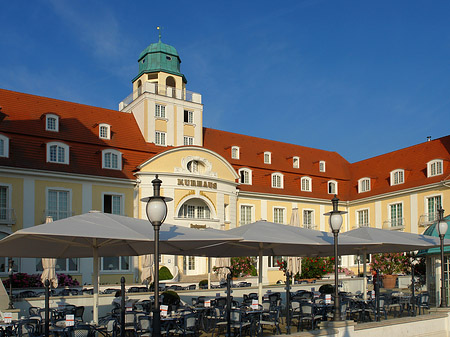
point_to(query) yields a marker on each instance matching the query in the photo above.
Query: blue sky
(361, 78)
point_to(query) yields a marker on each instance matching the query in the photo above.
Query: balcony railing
(309, 226)
(7, 216)
(428, 218)
(359, 225)
(397, 223)
(57, 215)
(163, 90)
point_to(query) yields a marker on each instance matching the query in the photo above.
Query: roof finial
(159, 32)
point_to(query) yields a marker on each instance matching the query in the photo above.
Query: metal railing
(7, 216)
(359, 225)
(309, 226)
(57, 215)
(428, 218)
(397, 223)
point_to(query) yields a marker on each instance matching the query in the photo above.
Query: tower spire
(159, 32)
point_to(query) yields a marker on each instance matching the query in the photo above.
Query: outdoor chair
(271, 319)
(34, 311)
(79, 330)
(187, 326)
(78, 313)
(28, 328)
(144, 326)
(238, 321)
(308, 314)
(423, 302)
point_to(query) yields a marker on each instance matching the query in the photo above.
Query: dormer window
(235, 152)
(267, 157)
(245, 176)
(322, 166)
(306, 184)
(104, 131)
(397, 177)
(277, 180)
(51, 122)
(4, 146)
(363, 185)
(332, 187)
(111, 159)
(434, 168)
(296, 162)
(57, 153)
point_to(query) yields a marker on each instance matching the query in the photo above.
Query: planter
(389, 281)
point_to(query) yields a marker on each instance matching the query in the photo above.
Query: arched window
(296, 162)
(363, 185)
(194, 209)
(235, 152)
(434, 167)
(51, 122)
(57, 153)
(397, 177)
(104, 131)
(245, 176)
(196, 166)
(322, 166)
(111, 159)
(332, 187)
(277, 180)
(306, 184)
(4, 146)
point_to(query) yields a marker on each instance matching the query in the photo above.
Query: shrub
(24, 280)
(242, 266)
(326, 289)
(315, 267)
(165, 274)
(170, 298)
(390, 263)
(67, 281)
(203, 283)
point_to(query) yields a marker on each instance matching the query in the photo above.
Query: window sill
(161, 118)
(396, 228)
(190, 124)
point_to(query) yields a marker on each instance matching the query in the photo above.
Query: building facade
(59, 159)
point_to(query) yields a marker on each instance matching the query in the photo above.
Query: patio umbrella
(98, 234)
(147, 268)
(220, 263)
(49, 266)
(388, 241)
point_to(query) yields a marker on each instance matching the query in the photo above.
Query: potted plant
(390, 265)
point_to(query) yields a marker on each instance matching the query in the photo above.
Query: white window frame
(193, 209)
(435, 215)
(302, 185)
(435, 167)
(252, 214)
(245, 171)
(357, 218)
(235, 152)
(304, 222)
(278, 208)
(267, 157)
(322, 166)
(160, 138)
(58, 145)
(107, 128)
(160, 111)
(114, 194)
(190, 116)
(364, 185)
(272, 262)
(6, 215)
(56, 118)
(296, 162)
(277, 180)
(66, 262)
(120, 269)
(5, 149)
(58, 189)
(112, 152)
(4, 261)
(188, 140)
(335, 183)
(402, 218)
(396, 175)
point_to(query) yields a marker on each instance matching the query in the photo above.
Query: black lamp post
(335, 221)
(156, 214)
(442, 229)
(11, 272)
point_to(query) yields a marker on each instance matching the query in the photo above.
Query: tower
(166, 112)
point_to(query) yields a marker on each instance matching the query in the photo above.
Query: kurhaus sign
(197, 183)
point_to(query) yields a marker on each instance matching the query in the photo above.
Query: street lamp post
(442, 229)
(156, 214)
(11, 272)
(335, 221)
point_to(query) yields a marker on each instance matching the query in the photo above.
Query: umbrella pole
(365, 275)
(209, 273)
(47, 308)
(260, 269)
(95, 282)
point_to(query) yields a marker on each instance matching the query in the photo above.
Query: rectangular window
(4, 203)
(188, 117)
(433, 204)
(398, 177)
(296, 162)
(278, 215)
(112, 204)
(308, 216)
(246, 214)
(116, 263)
(160, 111)
(363, 217)
(160, 138)
(62, 265)
(188, 140)
(51, 124)
(4, 264)
(267, 158)
(396, 215)
(272, 261)
(191, 262)
(58, 204)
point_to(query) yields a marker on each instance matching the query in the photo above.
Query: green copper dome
(432, 231)
(159, 57)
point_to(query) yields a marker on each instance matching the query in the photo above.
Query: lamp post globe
(335, 221)
(156, 209)
(442, 227)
